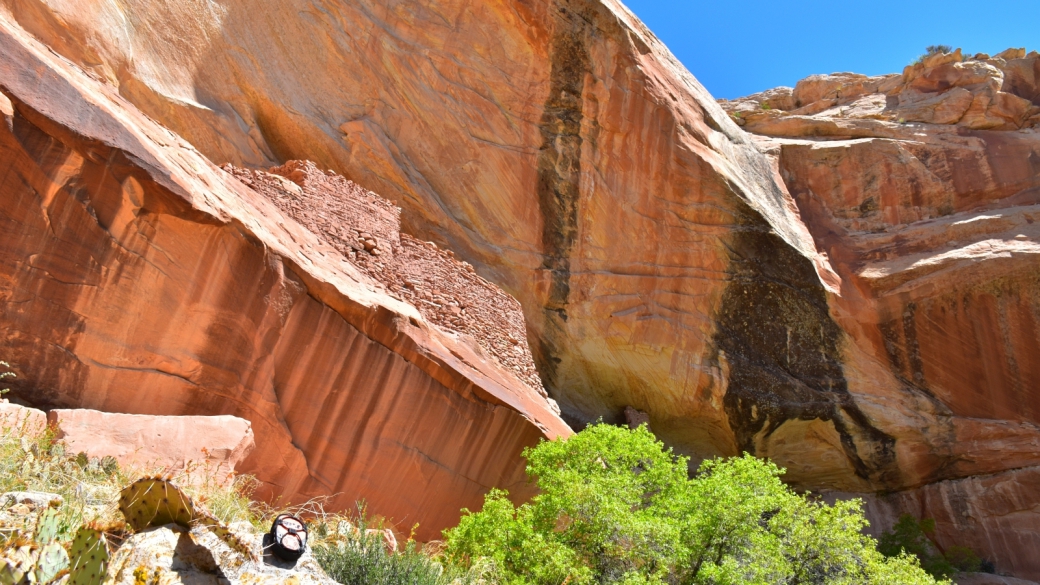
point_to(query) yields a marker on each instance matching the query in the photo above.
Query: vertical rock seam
(783, 350)
(559, 175)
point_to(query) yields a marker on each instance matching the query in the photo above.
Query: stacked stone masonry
(365, 228)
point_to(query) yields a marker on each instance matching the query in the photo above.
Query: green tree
(615, 506)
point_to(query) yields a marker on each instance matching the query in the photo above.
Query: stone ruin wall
(365, 228)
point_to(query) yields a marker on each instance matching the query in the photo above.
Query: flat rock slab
(218, 443)
(29, 420)
(173, 555)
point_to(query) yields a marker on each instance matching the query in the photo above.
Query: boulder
(27, 421)
(174, 555)
(32, 500)
(214, 444)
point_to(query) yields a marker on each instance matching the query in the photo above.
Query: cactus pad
(109, 465)
(89, 557)
(52, 560)
(47, 526)
(155, 501)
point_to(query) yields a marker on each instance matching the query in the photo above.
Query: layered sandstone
(928, 213)
(815, 311)
(137, 277)
(557, 147)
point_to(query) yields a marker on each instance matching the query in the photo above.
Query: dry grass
(35, 461)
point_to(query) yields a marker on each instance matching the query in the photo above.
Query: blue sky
(738, 48)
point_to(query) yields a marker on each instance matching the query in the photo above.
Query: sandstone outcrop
(214, 444)
(924, 194)
(567, 156)
(857, 307)
(175, 555)
(137, 277)
(980, 92)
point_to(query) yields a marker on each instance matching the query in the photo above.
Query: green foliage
(910, 536)
(964, 559)
(766, 106)
(614, 506)
(932, 50)
(90, 556)
(354, 556)
(363, 559)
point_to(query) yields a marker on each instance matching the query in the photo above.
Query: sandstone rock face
(999, 93)
(931, 226)
(995, 514)
(558, 148)
(988, 579)
(844, 310)
(137, 277)
(217, 443)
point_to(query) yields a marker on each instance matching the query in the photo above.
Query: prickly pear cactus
(89, 557)
(109, 465)
(52, 560)
(155, 501)
(47, 527)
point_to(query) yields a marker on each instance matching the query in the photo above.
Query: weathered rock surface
(566, 155)
(982, 93)
(216, 444)
(137, 277)
(28, 420)
(931, 226)
(829, 320)
(174, 555)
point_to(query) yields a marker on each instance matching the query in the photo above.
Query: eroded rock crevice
(559, 174)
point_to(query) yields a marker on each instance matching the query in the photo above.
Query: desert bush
(352, 556)
(615, 506)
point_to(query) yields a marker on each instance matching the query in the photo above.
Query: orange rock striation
(858, 305)
(137, 277)
(923, 189)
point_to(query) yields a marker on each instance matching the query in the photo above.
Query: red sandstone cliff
(858, 307)
(923, 190)
(137, 277)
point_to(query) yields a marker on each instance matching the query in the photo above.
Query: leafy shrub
(363, 560)
(932, 50)
(353, 557)
(616, 507)
(910, 536)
